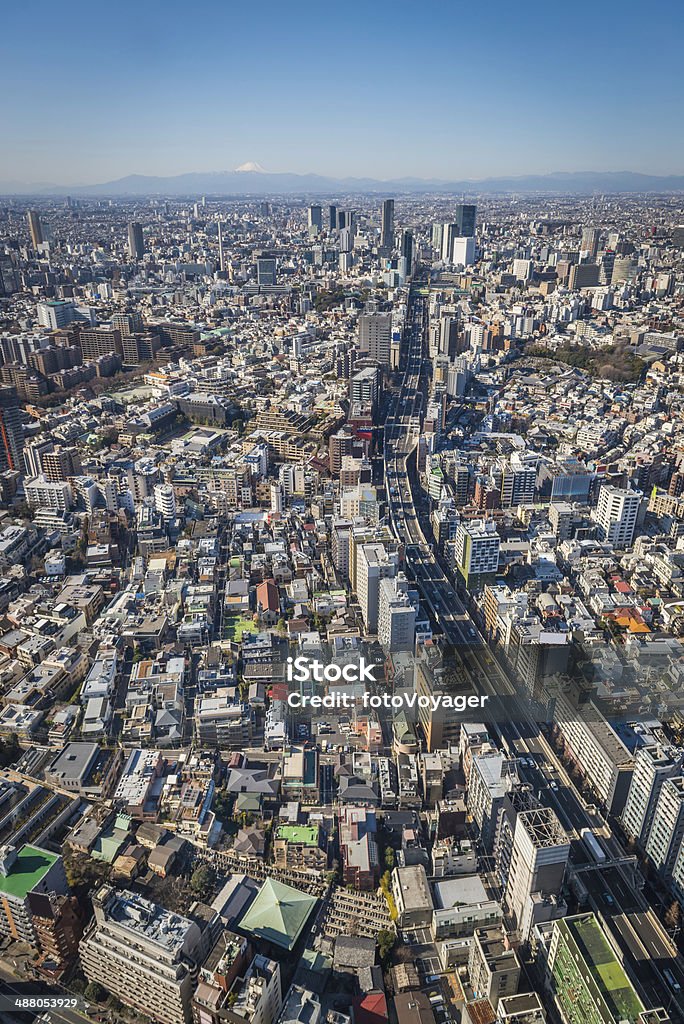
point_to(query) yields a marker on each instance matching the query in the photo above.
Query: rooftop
(27, 871)
(148, 919)
(278, 914)
(607, 974)
(307, 835)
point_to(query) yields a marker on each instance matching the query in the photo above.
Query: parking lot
(424, 951)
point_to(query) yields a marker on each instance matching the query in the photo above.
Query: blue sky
(94, 91)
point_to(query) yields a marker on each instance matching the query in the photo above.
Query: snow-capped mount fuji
(250, 167)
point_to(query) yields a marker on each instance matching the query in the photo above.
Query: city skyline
(528, 91)
(341, 514)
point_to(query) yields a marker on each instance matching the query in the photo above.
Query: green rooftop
(607, 973)
(31, 865)
(278, 914)
(305, 834)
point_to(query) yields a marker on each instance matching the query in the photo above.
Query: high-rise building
(476, 552)
(375, 336)
(590, 241)
(136, 241)
(580, 960)
(34, 454)
(450, 233)
(24, 872)
(538, 860)
(61, 463)
(435, 675)
(374, 564)
(42, 493)
(127, 324)
(463, 251)
(493, 966)
(593, 744)
(226, 961)
(652, 766)
(35, 228)
(364, 385)
(617, 513)
(58, 926)
(407, 247)
(397, 615)
(518, 479)
(55, 315)
(667, 827)
(332, 218)
(11, 431)
(677, 880)
(465, 220)
(315, 218)
(624, 269)
(222, 262)
(256, 998)
(100, 341)
(486, 792)
(387, 225)
(165, 502)
(583, 275)
(266, 270)
(142, 954)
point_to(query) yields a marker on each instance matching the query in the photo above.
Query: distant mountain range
(251, 179)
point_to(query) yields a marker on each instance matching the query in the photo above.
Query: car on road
(607, 898)
(671, 980)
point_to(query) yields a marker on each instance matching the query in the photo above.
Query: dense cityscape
(342, 609)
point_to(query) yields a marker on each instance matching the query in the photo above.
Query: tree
(10, 751)
(94, 992)
(386, 940)
(203, 880)
(673, 916)
(386, 886)
(389, 858)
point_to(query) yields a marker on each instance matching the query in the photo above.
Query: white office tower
(142, 954)
(653, 765)
(522, 269)
(667, 828)
(617, 514)
(463, 252)
(449, 235)
(374, 563)
(56, 314)
(518, 479)
(397, 615)
(165, 502)
(538, 860)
